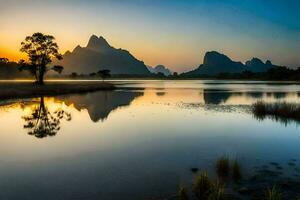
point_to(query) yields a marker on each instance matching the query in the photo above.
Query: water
(140, 141)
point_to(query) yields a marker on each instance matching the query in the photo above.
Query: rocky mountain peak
(97, 43)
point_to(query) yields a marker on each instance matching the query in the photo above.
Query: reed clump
(279, 111)
(202, 186)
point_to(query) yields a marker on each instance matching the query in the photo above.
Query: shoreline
(13, 90)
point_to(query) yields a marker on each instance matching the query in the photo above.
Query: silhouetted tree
(74, 75)
(41, 50)
(92, 74)
(104, 74)
(42, 123)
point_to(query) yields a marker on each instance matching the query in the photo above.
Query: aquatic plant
(280, 111)
(236, 171)
(273, 194)
(216, 192)
(222, 167)
(202, 186)
(183, 193)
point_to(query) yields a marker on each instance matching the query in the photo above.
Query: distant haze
(174, 33)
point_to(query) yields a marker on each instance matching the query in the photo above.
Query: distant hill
(98, 55)
(161, 69)
(256, 65)
(215, 63)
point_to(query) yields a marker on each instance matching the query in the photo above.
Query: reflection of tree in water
(160, 93)
(43, 123)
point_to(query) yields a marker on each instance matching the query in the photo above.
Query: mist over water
(139, 141)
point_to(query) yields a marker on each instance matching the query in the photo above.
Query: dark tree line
(276, 73)
(10, 70)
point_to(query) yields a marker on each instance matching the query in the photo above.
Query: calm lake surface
(140, 141)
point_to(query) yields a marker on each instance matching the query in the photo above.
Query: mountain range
(99, 55)
(215, 63)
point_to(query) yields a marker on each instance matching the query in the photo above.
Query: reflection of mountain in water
(100, 104)
(216, 97)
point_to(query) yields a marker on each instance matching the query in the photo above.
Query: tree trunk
(41, 79)
(41, 75)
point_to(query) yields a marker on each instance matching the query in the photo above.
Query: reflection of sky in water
(139, 144)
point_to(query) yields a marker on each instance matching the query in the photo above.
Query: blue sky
(175, 33)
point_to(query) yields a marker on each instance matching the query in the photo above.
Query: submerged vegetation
(265, 183)
(222, 167)
(217, 192)
(280, 111)
(273, 194)
(183, 193)
(236, 171)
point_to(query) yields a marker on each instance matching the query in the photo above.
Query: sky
(175, 33)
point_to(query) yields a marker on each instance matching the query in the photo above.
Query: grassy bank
(10, 90)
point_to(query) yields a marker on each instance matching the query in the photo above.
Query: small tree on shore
(104, 74)
(41, 50)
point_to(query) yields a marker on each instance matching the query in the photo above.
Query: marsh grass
(223, 167)
(273, 194)
(236, 171)
(183, 193)
(280, 111)
(202, 186)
